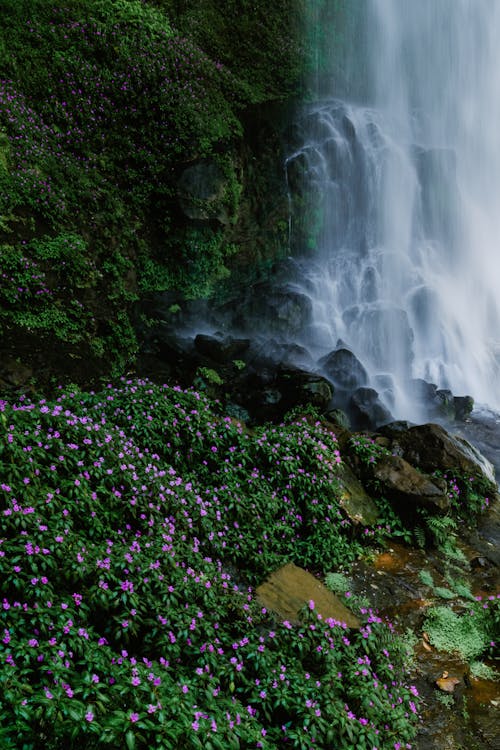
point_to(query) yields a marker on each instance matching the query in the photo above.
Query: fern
(451, 551)
(460, 588)
(426, 578)
(444, 593)
(420, 538)
(439, 528)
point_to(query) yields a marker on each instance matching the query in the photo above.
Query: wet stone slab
(290, 588)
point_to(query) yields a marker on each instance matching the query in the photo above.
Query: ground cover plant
(136, 523)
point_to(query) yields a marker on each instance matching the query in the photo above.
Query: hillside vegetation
(137, 523)
(103, 103)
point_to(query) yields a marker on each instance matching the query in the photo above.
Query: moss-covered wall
(140, 150)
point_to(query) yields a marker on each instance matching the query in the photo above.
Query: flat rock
(288, 589)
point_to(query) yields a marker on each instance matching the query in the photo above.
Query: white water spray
(406, 185)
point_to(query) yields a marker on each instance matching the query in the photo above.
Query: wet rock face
(440, 403)
(367, 409)
(273, 310)
(283, 389)
(431, 447)
(221, 349)
(353, 498)
(344, 369)
(200, 191)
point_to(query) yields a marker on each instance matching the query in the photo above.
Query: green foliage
(125, 514)
(482, 671)
(102, 104)
(469, 496)
(444, 593)
(390, 523)
(458, 588)
(337, 582)
(38, 277)
(366, 449)
(468, 634)
(446, 700)
(426, 578)
(438, 528)
(137, 16)
(209, 375)
(264, 49)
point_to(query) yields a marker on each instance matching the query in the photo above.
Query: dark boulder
(344, 369)
(407, 487)
(367, 410)
(440, 402)
(201, 193)
(430, 447)
(274, 310)
(300, 387)
(282, 390)
(422, 391)
(353, 498)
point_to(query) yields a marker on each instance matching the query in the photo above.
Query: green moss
(337, 583)
(4, 152)
(462, 634)
(210, 376)
(482, 671)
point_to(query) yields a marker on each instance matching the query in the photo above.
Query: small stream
(467, 717)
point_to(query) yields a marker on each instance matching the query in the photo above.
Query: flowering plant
(135, 523)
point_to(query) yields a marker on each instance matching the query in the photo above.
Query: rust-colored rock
(447, 684)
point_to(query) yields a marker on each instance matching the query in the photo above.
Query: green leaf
(130, 740)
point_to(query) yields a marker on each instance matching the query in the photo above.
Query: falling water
(400, 181)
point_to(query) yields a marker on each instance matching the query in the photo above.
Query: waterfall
(395, 182)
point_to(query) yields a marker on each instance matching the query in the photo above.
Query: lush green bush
(135, 522)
